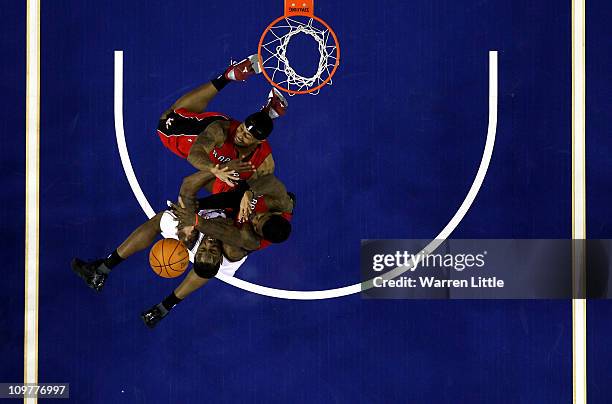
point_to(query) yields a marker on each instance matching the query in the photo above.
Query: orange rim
(273, 23)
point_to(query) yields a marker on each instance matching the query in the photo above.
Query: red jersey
(179, 130)
(228, 151)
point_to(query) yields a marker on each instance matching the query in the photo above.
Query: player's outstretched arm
(192, 184)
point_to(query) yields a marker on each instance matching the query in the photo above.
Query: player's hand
(185, 216)
(186, 235)
(245, 207)
(188, 202)
(225, 174)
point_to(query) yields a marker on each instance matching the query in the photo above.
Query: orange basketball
(168, 258)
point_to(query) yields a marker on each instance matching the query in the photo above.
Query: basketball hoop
(299, 19)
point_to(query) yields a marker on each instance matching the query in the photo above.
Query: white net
(274, 54)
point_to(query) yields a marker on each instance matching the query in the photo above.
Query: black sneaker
(89, 272)
(154, 315)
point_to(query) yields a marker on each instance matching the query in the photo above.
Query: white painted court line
(30, 366)
(579, 314)
(32, 187)
(123, 151)
(328, 293)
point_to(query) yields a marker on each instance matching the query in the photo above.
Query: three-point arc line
(327, 293)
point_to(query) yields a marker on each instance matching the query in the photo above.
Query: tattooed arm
(211, 137)
(265, 168)
(192, 184)
(274, 192)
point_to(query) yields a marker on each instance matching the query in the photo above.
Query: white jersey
(169, 223)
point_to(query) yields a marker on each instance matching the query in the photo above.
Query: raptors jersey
(179, 130)
(228, 151)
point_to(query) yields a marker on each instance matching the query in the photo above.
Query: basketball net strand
(277, 47)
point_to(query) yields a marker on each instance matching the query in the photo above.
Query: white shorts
(169, 223)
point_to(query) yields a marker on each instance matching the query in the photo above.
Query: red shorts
(180, 129)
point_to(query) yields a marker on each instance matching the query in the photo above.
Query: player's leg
(94, 273)
(205, 267)
(190, 284)
(197, 100)
(276, 105)
(140, 238)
